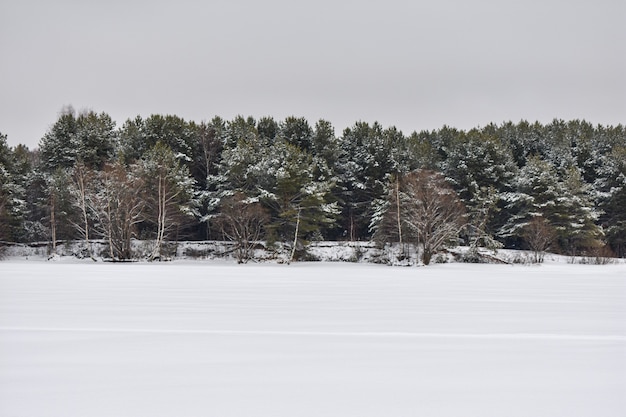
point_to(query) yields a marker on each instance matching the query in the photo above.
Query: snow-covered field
(313, 339)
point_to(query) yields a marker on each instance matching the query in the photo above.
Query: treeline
(163, 178)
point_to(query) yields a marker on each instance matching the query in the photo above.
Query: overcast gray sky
(413, 64)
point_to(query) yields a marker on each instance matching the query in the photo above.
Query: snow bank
(211, 250)
(354, 252)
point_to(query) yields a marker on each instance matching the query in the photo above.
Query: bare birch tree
(82, 191)
(169, 193)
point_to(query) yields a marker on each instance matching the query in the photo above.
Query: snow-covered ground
(311, 339)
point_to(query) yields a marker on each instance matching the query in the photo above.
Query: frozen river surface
(315, 339)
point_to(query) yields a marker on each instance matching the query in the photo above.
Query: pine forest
(559, 186)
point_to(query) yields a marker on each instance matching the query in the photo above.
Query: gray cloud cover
(415, 65)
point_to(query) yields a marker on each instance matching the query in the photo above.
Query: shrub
(599, 256)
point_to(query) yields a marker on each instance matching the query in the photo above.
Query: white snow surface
(311, 339)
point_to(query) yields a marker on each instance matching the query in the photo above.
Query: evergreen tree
(59, 147)
(180, 136)
(564, 204)
(537, 192)
(297, 132)
(362, 169)
(36, 227)
(524, 140)
(422, 152)
(12, 194)
(612, 200)
(267, 129)
(243, 166)
(576, 227)
(298, 200)
(325, 144)
(89, 137)
(96, 139)
(388, 223)
(132, 140)
(211, 138)
(240, 129)
(60, 212)
(481, 169)
(139, 136)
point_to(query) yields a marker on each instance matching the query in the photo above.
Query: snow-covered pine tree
(576, 226)
(564, 203)
(367, 156)
(242, 168)
(179, 135)
(12, 194)
(132, 140)
(612, 199)
(481, 170)
(96, 138)
(59, 147)
(267, 129)
(524, 139)
(536, 194)
(388, 223)
(211, 138)
(297, 132)
(325, 145)
(138, 136)
(354, 192)
(298, 196)
(59, 206)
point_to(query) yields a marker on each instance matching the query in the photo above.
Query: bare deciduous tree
(242, 221)
(82, 192)
(539, 236)
(118, 207)
(424, 209)
(434, 214)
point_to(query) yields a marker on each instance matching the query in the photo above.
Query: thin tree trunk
(110, 228)
(160, 220)
(295, 238)
(352, 235)
(398, 208)
(83, 191)
(163, 214)
(53, 224)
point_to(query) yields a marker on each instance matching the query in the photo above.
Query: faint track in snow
(415, 335)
